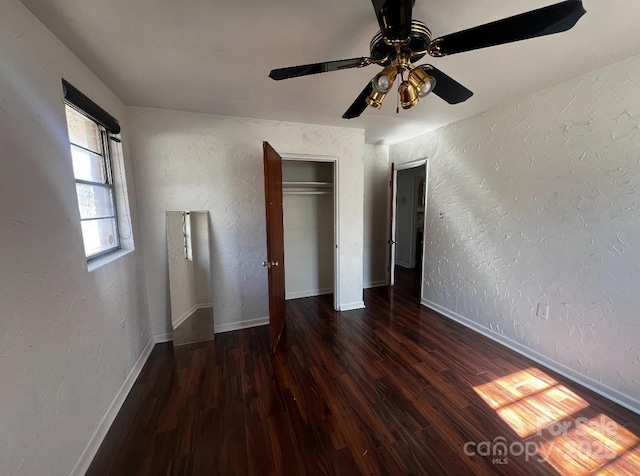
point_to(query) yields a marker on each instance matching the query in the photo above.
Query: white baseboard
(352, 306)
(162, 338)
(375, 284)
(187, 314)
(184, 317)
(231, 326)
(304, 294)
(234, 326)
(93, 445)
(584, 380)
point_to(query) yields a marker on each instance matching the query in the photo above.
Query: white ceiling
(215, 55)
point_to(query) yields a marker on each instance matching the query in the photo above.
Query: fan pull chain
(398, 95)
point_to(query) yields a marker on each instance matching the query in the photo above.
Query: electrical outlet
(542, 311)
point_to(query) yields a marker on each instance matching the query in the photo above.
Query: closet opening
(309, 208)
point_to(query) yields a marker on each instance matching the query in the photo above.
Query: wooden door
(275, 243)
(392, 229)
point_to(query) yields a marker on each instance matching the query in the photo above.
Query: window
(186, 235)
(92, 167)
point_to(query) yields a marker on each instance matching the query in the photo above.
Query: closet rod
(307, 192)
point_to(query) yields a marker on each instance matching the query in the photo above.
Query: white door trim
(411, 165)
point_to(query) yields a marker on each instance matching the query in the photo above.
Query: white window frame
(107, 164)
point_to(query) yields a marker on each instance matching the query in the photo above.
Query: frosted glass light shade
(422, 81)
(383, 81)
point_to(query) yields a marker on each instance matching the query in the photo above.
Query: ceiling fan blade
(394, 18)
(315, 68)
(544, 21)
(360, 104)
(448, 88)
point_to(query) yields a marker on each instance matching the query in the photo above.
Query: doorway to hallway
(407, 223)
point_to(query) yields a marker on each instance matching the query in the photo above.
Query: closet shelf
(306, 192)
(307, 185)
(307, 188)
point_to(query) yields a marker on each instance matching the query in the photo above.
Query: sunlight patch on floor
(532, 403)
(597, 445)
(529, 401)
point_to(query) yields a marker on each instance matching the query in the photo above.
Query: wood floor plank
(359, 442)
(378, 432)
(286, 456)
(392, 389)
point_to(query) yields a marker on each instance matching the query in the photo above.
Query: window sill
(106, 259)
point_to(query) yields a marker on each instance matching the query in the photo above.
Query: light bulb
(384, 83)
(422, 81)
(426, 89)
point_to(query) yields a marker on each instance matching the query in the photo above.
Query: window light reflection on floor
(529, 401)
(532, 403)
(598, 445)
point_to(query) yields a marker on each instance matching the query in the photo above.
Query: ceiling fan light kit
(418, 84)
(403, 41)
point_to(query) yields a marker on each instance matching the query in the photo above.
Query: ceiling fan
(402, 41)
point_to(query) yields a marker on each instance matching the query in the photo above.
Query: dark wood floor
(393, 389)
(407, 283)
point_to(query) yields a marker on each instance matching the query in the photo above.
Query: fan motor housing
(419, 41)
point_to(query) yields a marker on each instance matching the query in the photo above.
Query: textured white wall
(376, 212)
(191, 161)
(68, 337)
(541, 202)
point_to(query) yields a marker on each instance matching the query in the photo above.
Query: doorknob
(274, 263)
(270, 264)
(266, 265)
(391, 242)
